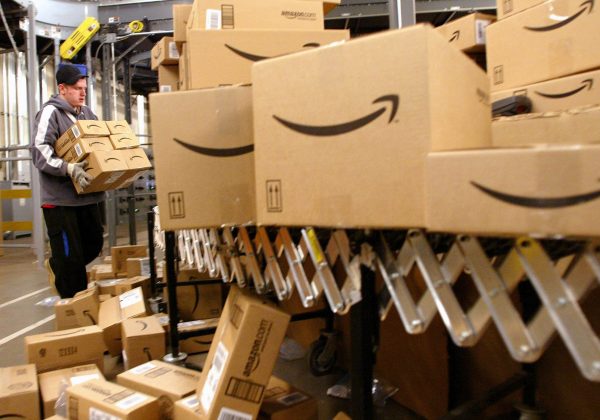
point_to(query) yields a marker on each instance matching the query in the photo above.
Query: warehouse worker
(73, 221)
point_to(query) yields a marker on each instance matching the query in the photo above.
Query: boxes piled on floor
(111, 149)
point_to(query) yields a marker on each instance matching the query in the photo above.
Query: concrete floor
(23, 285)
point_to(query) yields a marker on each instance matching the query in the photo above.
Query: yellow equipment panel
(79, 38)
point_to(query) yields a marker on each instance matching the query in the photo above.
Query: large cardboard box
(222, 144)
(105, 167)
(198, 301)
(243, 14)
(120, 254)
(283, 401)
(232, 53)
(62, 349)
(241, 357)
(573, 126)
(542, 191)
(19, 392)
(54, 382)
(168, 78)
(65, 315)
(362, 164)
(98, 399)
(143, 340)
(168, 382)
(181, 13)
(506, 8)
(547, 48)
(164, 53)
(137, 164)
(82, 128)
(558, 94)
(84, 146)
(467, 33)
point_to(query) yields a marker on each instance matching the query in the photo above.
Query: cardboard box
(168, 78)
(506, 8)
(188, 409)
(119, 127)
(168, 382)
(109, 287)
(232, 53)
(19, 392)
(183, 68)
(121, 253)
(138, 267)
(547, 48)
(100, 399)
(86, 306)
(143, 341)
(282, 401)
(199, 343)
(137, 163)
(573, 126)
(196, 302)
(62, 349)
(164, 53)
(105, 168)
(116, 287)
(242, 356)
(53, 382)
(84, 146)
(558, 94)
(65, 315)
(321, 164)
(222, 144)
(242, 14)
(104, 272)
(542, 191)
(181, 13)
(467, 33)
(82, 128)
(124, 141)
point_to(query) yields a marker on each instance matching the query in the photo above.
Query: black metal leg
(175, 356)
(151, 256)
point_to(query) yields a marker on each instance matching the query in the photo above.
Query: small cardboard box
(82, 128)
(222, 144)
(84, 146)
(506, 8)
(573, 126)
(137, 163)
(105, 167)
(541, 191)
(62, 349)
(164, 53)
(321, 164)
(548, 47)
(242, 14)
(104, 272)
(168, 382)
(138, 267)
(109, 287)
(86, 305)
(134, 282)
(65, 315)
(242, 356)
(143, 340)
(52, 383)
(558, 94)
(97, 399)
(119, 127)
(282, 401)
(124, 141)
(188, 408)
(181, 13)
(232, 53)
(19, 393)
(467, 33)
(120, 254)
(168, 78)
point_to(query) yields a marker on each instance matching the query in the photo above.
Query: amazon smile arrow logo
(586, 83)
(455, 36)
(586, 5)
(255, 57)
(538, 203)
(343, 128)
(209, 151)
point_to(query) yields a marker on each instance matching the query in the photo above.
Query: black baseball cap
(69, 74)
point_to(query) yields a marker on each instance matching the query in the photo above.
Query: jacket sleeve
(45, 134)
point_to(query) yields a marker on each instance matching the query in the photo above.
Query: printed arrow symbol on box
(539, 203)
(255, 57)
(11, 416)
(586, 83)
(566, 21)
(209, 151)
(144, 325)
(455, 36)
(343, 128)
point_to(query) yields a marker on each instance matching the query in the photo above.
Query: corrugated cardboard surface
(214, 181)
(506, 8)
(181, 13)
(168, 78)
(558, 94)
(19, 392)
(283, 402)
(119, 127)
(535, 45)
(226, 57)
(574, 126)
(65, 315)
(120, 254)
(542, 191)
(84, 146)
(105, 167)
(143, 340)
(137, 164)
(82, 128)
(164, 53)
(394, 111)
(467, 33)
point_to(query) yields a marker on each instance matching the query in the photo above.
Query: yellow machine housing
(80, 36)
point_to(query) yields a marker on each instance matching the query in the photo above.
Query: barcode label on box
(78, 150)
(131, 401)
(291, 399)
(191, 402)
(145, 267)
(214, 375)
(75, 131)
(165, 88)
(213, 19)
(245, 390)
(173, 52)
(227, 21)
(229, 414)
(75, 380)
(480, 26)
(129, 299)
(96, 414)
(141, 369)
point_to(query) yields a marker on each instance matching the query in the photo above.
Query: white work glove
(77, 172)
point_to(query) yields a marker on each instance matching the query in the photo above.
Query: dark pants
(75, 240)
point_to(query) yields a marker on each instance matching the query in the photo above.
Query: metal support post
(91, 94)
(151, 256)
(402, 13)
(175, 356)
(131, 188)
(111, 205)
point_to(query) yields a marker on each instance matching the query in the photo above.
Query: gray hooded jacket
(55, 117)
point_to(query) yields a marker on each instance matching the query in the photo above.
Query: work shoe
(51, 276)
